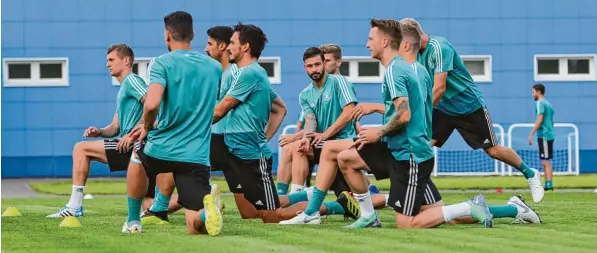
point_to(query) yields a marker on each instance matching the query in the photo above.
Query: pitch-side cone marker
(11, 211)
(70, 222)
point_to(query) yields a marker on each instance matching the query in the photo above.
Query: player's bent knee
(349, 159)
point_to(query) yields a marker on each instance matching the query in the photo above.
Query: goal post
(566, 151)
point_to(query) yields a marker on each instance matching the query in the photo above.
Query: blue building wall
(41, 125)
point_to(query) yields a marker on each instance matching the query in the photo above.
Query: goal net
(565, 148)
(456, 158)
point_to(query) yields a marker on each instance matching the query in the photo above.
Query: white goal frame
(573, 167)
(499, 166)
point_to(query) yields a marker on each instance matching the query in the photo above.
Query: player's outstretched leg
(509, 156)
(83, 153)
(433, 217)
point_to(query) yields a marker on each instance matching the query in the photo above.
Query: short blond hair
(332, 49)
(410, 31)
(412, 22)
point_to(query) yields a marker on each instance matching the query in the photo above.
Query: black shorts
(314, 160)
(431, 194)
(408, 183)
(256, 182)
(475, 128)
(339, 185)
(191, 179)
(116, 161)
(218, 154)
(378, 158)
(545, 149)
(221, 159)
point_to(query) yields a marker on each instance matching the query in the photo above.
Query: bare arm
(310, 123)
(111, 130)
(537, 124)
(152, 104)
(400, 118)
(299, 126)
(276, 117)
(228, 103)
(341, 121)
(439, 86)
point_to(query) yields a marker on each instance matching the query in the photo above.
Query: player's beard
(316, 73)
(169, 48)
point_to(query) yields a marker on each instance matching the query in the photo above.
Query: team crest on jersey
(326, 96)
(430, 63)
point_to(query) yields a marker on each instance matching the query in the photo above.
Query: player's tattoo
(395, 123)
(310, 123)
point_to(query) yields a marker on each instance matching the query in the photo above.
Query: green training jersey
(245, 130)
(401, 80)
(426, 83)
(227, 79)
(327, 102)
(546, 130)
(462, 96)
(128, 102)
(190, 80)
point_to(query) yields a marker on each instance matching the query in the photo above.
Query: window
(35, 72)
(361, 69)
(479, 66)
(141, 68)
(573, 67)
(273, 68)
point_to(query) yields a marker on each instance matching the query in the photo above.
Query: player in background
(545, 132)
(459, 105)
(515, 208)
(333, 60)
(114, 152)
(180, 82)
(327, 103)
(218, 39)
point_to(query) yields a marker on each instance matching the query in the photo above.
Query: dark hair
(122, 50)
(391, 28)
(540, 88)
(180, 25)
(221, 33)
(332, 49)
(254, 36)
(312, 52)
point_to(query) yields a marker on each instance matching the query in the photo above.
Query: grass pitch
(570, 225)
